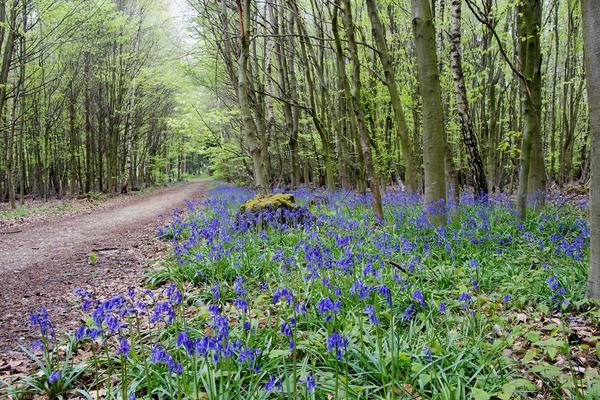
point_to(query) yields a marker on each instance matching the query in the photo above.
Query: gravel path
(43, 263)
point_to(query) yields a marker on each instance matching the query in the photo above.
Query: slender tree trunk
(467, 129)
(553, 99)
(390, 79)
(363, 134)
(248, 125)
(591, 38)
(531, 171)
(9, 134)
(434, 136)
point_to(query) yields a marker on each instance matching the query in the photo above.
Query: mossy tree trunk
(532, 172)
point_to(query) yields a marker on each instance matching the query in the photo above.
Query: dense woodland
(437, 97)
(301, 92)
(406, 205)
(329, 92)
(88, 95)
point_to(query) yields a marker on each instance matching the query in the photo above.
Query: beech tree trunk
(248, 125)
(591, 39)
(532, 171)
(434, 135)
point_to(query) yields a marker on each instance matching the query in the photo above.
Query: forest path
(42, 264)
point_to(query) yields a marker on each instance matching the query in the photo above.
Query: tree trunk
(359, 112)
(4, 69)
(532, 170)
(467, 129)
(248, 125)
(390, 79)
(434, 135)
(591, 38)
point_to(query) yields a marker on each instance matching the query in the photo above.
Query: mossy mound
(276, 210)
(269, 203)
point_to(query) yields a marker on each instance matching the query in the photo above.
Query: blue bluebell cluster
(288, 298)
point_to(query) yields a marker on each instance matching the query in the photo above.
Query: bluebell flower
(418, 296)
(283, 292)
(442, 307)
(184, 341)
(42, 320)
(360, 289)
(370, 311)
(273, 384)
(37, 345)
(409, 312)
(337, 343)
(241, 304)
(158, 354)
(328, 307)
(124, 347)
(311, 384)
(174, 295)
(238, 286)
(465, 297)
(248, 355)
(300, 308)
(384, 290)
(506, 298)
(216, 291)
(475, 284)
(286, 329)
(174, 367)
(427, 353)
(54, 376)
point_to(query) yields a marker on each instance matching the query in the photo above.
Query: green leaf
(529, 356)
(546, 370)
(533, 336)
(551, 351)
(424, 379)
(480, 394)
(509, 388)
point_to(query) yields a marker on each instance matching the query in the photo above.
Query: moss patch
(270, 202)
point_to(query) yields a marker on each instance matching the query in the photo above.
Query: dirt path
(43, 263)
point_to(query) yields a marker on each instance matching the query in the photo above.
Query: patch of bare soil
(42, 263)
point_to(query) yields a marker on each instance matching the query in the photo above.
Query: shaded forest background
(106, 96)
(302, 68)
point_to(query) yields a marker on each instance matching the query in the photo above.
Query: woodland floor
(43, 261)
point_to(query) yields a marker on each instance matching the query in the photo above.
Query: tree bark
(390, 79)
(532, 170)
(248, 125)
(467, 129)
(434, 135)
(591, 39)
(359, 112)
